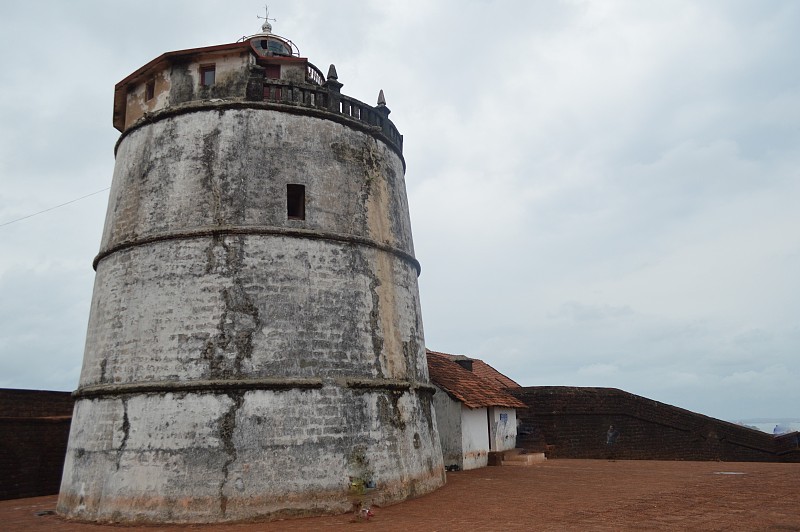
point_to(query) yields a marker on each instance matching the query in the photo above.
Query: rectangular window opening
(272, 71)
(296, 202)
(207, 75)
(149, 90)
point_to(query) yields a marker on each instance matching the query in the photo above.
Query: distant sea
(768, 425)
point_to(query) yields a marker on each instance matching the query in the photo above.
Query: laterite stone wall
(34, 427)
(572, 422)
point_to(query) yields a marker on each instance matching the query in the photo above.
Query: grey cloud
(580, 312)
(602, 193)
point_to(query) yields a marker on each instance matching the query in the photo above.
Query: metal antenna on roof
(266, 27)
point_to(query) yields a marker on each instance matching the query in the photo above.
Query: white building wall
(503, 428)
(448, 421)
(474, 437)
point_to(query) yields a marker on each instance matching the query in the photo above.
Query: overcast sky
(603, 193)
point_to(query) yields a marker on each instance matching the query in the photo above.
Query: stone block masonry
(248, 357)
(572, 422)
(187, 456)
(34, 426)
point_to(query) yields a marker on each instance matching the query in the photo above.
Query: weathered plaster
(180, 82)
(467, 435)
(448, 423)
(137, 103)
(239, 364)
(474, 437)
(503, 428)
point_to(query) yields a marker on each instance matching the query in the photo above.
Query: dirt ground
(555, 495)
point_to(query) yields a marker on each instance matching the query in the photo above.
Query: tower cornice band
(241, 385)
(202, 232)
(387, 135)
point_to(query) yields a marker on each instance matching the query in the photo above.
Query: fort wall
(571, 422)
(34, 427)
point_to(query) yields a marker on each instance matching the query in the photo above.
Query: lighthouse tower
(255, 344)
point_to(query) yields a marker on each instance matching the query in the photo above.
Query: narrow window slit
(149, 90)
(296, 202)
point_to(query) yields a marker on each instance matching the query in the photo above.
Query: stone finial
(332, 72)
(381, 107)
(332, 83)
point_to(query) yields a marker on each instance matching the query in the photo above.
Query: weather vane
(267, 26)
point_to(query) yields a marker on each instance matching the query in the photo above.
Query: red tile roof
(483, 386)
(488, 373)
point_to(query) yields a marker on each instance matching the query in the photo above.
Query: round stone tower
(255, 344)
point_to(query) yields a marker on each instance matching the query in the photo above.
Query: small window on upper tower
(149, 90)
(207, 75)
(296, 202)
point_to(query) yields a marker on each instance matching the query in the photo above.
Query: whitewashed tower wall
(246, 357)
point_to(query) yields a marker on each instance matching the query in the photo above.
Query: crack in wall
(370, 172)
(389, 409)
(227, 350)
(227, 427)
(218, 255)
(210, 148)
(360, 265)
(375, 323)
(411, 350)
(425, 403)
(126, 427)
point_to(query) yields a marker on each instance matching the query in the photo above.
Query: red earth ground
(555, 495)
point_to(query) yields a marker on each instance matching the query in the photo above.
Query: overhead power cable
(53, 208)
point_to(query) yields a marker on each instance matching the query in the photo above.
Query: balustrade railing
(314, 75)
(320, 97)
(292, 93)
(366, 113)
